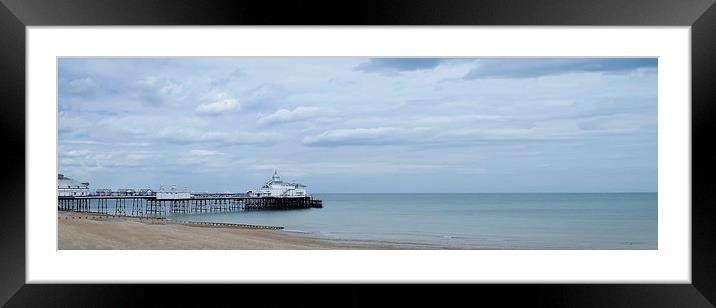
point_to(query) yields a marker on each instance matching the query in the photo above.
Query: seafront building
(67, 187)
(172, 193)
(103, 192)
(275, 194)
(275, 187)
(124, 192)
(146, 192)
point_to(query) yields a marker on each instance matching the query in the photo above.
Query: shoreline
(94, 231)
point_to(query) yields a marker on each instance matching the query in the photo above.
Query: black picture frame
(16, 15)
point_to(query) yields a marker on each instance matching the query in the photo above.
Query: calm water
(499, 221)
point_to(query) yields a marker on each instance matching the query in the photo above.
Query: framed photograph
(537, 144)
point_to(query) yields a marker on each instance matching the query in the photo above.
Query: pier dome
(275, 177)
(275, 187)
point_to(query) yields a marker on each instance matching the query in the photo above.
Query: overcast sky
(360, 124)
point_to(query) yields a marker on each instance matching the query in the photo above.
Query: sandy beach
(78, 231)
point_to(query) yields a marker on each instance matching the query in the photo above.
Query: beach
(90, 231)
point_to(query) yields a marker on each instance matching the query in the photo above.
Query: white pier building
(172, 194)
(67, 187)
(277, 188)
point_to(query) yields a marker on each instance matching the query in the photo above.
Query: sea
(588, 221)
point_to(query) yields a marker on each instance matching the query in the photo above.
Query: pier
(275, 194)
(151, 206)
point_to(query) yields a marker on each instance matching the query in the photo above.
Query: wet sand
(79, 231)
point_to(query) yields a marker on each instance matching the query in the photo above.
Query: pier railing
(150, 206)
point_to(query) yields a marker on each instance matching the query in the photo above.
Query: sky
(361, 125)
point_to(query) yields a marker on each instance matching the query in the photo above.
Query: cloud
(139, 156)
(204, 153)
(341, 168)
(528, 68)
(75, 125)
(264, 94)
(286, 115)
(93, 160)
(398, 64)
(223, 104)
(432, 120)
(75, 153)
(84, 85)
(158, 129)
(70, 141)
(135, 144)
(360, 136)
(206, 122)
(486, 134)
(153, 90)
(232, 76)
(186, 135)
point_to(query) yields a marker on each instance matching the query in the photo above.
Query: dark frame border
(15, 15)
